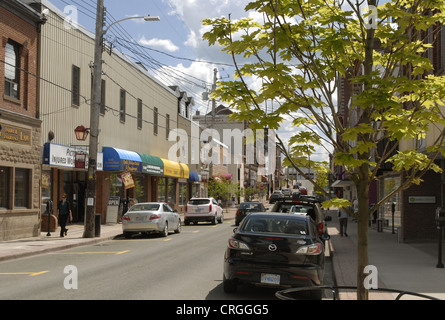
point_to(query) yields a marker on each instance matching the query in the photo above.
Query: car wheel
(215, 220)
(316, 294)
(164, 232)
(221, 220)
(178, 229)
(186, 222)
(230, 286)
(127, 235)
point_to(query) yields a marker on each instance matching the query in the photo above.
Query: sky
(172, 49)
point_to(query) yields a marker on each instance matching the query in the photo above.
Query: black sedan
(247, 207)
(275, 249)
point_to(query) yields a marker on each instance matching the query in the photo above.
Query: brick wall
(25, 34)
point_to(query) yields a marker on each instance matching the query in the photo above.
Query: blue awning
(194, 176)
(121, 160)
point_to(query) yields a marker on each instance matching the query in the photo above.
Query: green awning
(152, 164)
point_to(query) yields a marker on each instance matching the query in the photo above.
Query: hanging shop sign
(127, 180)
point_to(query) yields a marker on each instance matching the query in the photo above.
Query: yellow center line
(92, 252)
(31, 274)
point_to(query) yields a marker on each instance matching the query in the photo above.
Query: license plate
(139, 219)
(270, 278)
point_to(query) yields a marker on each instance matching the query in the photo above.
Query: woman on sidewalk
(64, 214)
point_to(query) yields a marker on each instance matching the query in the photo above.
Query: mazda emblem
(272, 247)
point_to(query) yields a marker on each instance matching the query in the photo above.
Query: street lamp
(94, 117)
(81, 133)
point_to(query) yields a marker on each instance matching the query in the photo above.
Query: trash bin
(97, 222)
(379, 225)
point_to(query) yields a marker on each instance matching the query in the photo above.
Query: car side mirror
(235, 230)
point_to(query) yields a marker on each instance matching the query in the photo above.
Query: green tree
(301, 50)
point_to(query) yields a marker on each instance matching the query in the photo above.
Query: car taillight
(236, 244)
(237, 212)
(155, 216)
(210, 208)
(313, 249)
(185, 208)
(320, 228)
(126, 218)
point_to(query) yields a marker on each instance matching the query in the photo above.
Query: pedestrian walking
(64, 215)
(343, 219)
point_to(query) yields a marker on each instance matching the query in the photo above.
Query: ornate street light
(81, 133)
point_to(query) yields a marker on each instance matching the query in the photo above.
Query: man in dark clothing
(64, 215)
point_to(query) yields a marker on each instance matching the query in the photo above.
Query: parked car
(148, 217)
(275, 249)
(306, 203)
(275, 196)
(246, 208)
(286, 192)
(203, 209)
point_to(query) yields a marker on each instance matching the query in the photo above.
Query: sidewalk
(20, 248)
(400, 266)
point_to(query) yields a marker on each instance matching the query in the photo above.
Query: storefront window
(21, 196)
(171, 191)
(116, 185)
(389, 185)
(4, 187)
(46, 186)
(139, 190)
(182, 193)
(161, 190)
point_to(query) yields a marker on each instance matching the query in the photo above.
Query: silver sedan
(148, 217)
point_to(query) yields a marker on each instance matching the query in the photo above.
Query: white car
(147, 217)
(203, 209)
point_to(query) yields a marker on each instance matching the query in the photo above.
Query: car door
(218, 210)
(168, 212)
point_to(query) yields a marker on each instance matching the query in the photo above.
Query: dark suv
(247, 207)
(307, 205)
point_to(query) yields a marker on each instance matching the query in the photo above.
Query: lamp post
(89, 230)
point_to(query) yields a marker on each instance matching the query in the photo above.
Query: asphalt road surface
(184, 266)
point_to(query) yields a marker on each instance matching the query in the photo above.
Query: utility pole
(89, 231)
(212, 127)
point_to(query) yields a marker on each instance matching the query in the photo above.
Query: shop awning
(342, 183)
(151, 164)
(194, 176)
(226, 176)
(175, 169)
(121, 160)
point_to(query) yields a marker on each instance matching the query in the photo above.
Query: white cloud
(163, 44)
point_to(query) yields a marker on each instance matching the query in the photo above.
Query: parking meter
(440, 222)
(440, 217)
(49, 211)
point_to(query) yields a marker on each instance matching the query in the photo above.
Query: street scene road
(184, 266)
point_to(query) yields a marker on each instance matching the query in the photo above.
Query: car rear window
(253, 206)
(145, 207)
(197, 202)
(276, 225)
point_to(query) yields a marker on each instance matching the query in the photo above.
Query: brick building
(20, 169)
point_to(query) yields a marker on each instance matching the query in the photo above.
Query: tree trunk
(362, 231)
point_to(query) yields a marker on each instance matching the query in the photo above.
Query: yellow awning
(175, 169)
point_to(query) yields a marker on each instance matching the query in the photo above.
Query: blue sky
(172, 49)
